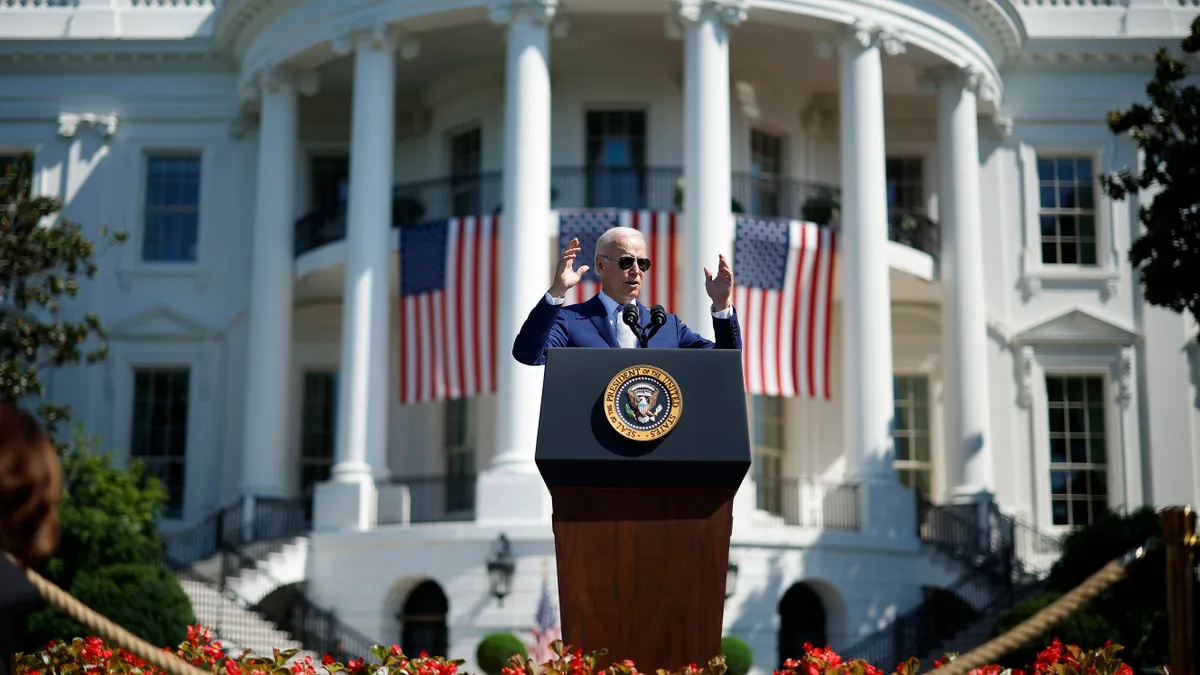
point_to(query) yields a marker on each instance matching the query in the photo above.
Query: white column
(365, 360)
(269, 340)
(866, 304)
(968, 442)
(524, 222)
(707, 148)
(512, 489)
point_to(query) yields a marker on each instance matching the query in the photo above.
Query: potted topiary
(495, 651)
(738, 656)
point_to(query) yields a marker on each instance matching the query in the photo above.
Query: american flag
(545, 628)
(660, 229)
(784, 296)
(448, 286)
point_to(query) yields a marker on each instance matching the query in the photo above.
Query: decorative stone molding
(541, 12)
(1003, 122)
(1125, 377)
(270, 78)
(821, 113)
(732, 13)
(379, 36)
(862, 35)
(929, 80)
(68, 124)
(1025, 358)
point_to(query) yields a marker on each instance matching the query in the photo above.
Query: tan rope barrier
(1047, 617)
(169, 662)
(987, 653)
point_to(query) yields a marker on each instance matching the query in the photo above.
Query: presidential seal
(643, 403)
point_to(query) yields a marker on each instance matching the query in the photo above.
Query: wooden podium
(643, 451)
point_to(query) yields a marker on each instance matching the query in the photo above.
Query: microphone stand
(658, 317)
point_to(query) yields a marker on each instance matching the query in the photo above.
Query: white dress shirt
(624, 333)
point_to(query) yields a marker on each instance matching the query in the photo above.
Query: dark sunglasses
(626, 261)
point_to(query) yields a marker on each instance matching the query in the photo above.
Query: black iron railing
(209, 555)
(992, 547)
(810, 502)
(427, 499)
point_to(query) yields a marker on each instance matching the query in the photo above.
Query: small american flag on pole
(659, 228)
(448, 286)
(783, 273)
(545, 627)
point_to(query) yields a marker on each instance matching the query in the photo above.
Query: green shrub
(109, 518)
(1084, 627)
(145, 599)
(495, 650)
(738, 657)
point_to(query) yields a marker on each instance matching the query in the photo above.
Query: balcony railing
(427, 499)
(762, 195)
(808, 502)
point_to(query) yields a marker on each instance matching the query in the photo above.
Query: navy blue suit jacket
(586, 325)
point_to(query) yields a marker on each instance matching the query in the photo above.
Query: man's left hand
(720, 287)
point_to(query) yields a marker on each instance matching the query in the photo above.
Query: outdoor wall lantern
(500, 568)
(731, 579)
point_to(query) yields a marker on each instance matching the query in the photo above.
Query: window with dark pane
(766, 173)
(913, 435)
(1067, 211)
(329, 183)
(616, 159)
(171, 213)
(767, 447)
(905, 184)
(466, 165)
(159, 429)
(459, 448)
(7, 162)
(1078, 448)
(318, 428)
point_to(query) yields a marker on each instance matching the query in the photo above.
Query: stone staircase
(232, 621)
(976, 633)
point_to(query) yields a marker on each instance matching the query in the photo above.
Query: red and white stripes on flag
(448, 308)
(784, 272)
(660, 228)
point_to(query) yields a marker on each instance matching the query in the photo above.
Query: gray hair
(611, 236)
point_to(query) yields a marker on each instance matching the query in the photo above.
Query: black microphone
(632, 316)
(658, 316)
(658, 319)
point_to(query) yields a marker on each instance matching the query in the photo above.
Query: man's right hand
(566, 277)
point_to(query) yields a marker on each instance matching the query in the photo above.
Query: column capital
(861, 35)
(379, 36)
(105, 125)
(969, 77)
(540, 12)
(732, 13)
(272, 78)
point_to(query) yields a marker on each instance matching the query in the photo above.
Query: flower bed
(94, 656)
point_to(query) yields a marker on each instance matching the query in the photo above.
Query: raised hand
(720, 287)
(566, 276)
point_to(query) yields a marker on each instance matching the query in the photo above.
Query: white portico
(511, 490)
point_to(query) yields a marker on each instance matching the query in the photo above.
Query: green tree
(40, 267)
(1167, 131)
(110, 549)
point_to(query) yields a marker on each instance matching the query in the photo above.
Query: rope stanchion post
(1179, 537)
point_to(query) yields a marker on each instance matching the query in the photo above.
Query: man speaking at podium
(621, 264)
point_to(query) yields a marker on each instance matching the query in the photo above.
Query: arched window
(423, 621)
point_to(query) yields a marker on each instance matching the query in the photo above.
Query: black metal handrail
(234, 538)
(957, 531)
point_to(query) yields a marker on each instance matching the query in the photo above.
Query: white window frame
(1117, 365)
(933, 385)
(779, 453)
(202, 465)
(1106, 156)
(213, 210)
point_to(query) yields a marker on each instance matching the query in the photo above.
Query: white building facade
(990, 345)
